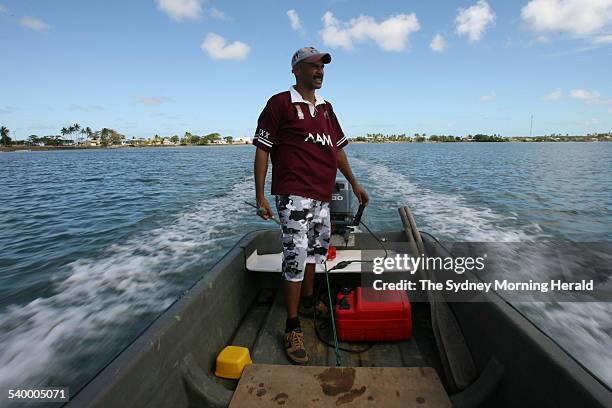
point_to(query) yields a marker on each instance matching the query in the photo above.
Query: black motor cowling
(342, 206)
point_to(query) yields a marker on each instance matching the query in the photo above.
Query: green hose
(331, 305)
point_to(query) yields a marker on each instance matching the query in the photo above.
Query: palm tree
(72, 129)
(76, 128)
(67, 131)
(4, 136)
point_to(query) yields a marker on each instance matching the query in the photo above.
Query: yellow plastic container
(231, 361)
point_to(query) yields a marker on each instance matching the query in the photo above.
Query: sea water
(96, 243)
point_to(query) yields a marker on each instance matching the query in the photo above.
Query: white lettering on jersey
(327, 138)
(262, 133)
(323, 140)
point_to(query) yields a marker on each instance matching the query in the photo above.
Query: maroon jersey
(303, 141)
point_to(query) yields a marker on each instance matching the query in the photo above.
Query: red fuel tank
(366, 314)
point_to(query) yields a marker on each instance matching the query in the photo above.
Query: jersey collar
(296, 97)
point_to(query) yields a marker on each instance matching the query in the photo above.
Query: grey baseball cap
(310, 54)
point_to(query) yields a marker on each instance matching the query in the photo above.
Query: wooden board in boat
(269, 385)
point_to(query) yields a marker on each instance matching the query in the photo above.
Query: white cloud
(180, 10)
(217, 47)
(294, 19)
(217, 14)
(488, 98)
(554, 95)
(474, 20)
(34, 23)
(333, 35)
(437, 43)
(603, 39)
(586, 96)
(153, 100)
(578, 17)
(391, 34)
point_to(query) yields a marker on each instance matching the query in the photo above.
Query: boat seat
(269, 385)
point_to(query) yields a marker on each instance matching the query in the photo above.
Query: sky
(147, 67)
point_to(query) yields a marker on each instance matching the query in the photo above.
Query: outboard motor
(342, 207)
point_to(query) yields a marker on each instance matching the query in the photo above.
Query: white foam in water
(582, 329)
(446, 215)
(104, 294)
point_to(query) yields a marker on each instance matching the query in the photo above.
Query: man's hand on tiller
(361, 194)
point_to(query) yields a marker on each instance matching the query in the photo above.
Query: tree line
(479, 137)
(108, 137)
(193, 139)
(104, 136)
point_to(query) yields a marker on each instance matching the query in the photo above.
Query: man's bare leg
(308, 284)
(293, 290)
(292, 297)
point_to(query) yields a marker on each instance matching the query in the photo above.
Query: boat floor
(262, 328)
(265, 385)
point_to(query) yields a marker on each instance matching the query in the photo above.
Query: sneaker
(294, 347)
(308, 312)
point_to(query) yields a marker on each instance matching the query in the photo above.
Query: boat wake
(448, 216)
(100, 303)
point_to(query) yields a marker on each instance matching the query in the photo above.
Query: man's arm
(260, 170)
(345, 169)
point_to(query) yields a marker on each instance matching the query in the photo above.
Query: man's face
(309, 74)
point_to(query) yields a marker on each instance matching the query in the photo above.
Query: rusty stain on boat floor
(280, 398)
(336, 380)
(351, 395)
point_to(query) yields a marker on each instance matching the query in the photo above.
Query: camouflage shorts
(305, 233)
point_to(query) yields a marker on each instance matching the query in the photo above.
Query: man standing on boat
(301, 133)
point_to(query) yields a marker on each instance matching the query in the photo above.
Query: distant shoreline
(17, 148)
